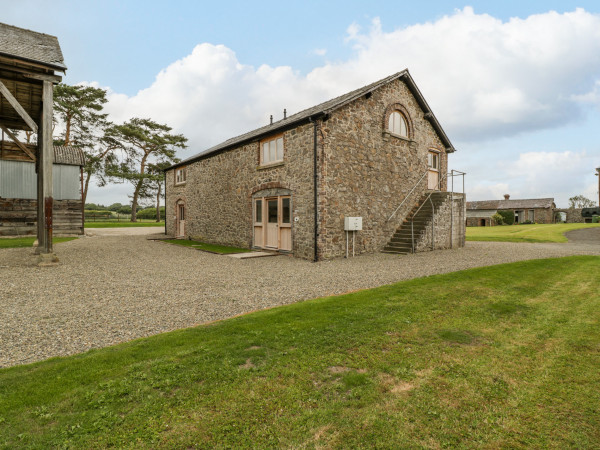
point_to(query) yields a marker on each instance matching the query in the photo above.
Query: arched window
(397, 124)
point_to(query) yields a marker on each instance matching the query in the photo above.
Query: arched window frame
(398, 108)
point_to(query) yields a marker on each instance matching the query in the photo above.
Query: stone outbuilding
(363, 172)
(534, 210)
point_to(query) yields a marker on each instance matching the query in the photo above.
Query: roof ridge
(324, 108)
(27, 29)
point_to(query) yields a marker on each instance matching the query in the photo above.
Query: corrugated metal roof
(31, 46)
(72, 156)
(324, 109)
(531, 203)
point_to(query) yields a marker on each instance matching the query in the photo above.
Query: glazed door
(285, 224)
(272, 228)
(181, 220)
(433, 165)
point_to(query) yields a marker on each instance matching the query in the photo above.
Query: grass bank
(28, 241)
(504, 356)
(123, 224)
(526, 233)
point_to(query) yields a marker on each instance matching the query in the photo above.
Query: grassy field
(123, 224)
(504, 356)
(28, 241)
(525, 233)
(222, 249)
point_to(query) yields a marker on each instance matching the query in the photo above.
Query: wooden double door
(273, 223)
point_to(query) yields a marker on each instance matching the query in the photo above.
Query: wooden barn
(18, 190)
(29, 66)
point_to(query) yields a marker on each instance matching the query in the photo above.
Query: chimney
(271, 119)
(284, 114)
(506, 196)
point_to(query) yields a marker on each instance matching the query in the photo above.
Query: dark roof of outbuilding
(324, 109)
(31, 46)
(530, 203)
(72, 156)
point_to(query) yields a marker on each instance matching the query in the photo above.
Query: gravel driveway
(114, 288)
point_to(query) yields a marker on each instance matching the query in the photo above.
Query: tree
(579, 201)
(156, 180)
(142, 142)
(508, 217)
(80, 110)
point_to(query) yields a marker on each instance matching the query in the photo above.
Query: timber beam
(18, 108)
(16, 141)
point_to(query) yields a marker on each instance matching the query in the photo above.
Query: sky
(515, 84)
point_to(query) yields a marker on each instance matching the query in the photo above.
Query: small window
(397, 124)
(180, 175)
(433, 161)
(271, 150)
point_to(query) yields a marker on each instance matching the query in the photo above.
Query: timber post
(28, 64)
(45, 195)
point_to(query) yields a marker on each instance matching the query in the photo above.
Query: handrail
(408, 195)
(412, 219)
(442, 178)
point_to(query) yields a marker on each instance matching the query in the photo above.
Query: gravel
(111, 288)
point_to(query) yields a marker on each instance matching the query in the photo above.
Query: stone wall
(543, 215)
(363, 170)
(367, 171)
(573, 215)
(18, 217)
(218, 193)
(449, 226)
(476, 221)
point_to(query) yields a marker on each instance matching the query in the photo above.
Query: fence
(109, 216)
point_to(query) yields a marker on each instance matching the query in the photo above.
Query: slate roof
(72, 156)
(323, 109)
(531, 203)
(31, 46)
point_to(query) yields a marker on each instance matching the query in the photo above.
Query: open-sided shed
(29, 62)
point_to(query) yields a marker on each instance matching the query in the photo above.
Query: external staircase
(419, 220)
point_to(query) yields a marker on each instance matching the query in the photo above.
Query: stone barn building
(538, 210)
(377, 154)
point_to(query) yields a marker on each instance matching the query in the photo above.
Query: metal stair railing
(408, 195)
(412, 229)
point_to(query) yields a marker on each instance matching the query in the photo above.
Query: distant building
(538, 210)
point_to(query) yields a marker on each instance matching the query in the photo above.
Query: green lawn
(123, 224)
(222, 249)
(28, 241)
(525, 233)
(504, 356)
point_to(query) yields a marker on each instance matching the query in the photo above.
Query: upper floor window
(180, 175)
(397, 124)
(271, 150)
(433, 160)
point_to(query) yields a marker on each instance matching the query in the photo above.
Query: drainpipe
(316, 199)
(165, 175)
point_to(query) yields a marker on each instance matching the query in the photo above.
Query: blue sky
(515, 86)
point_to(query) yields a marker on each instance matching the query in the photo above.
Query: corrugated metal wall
(19, 180)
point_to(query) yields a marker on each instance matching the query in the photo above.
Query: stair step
(393, 252)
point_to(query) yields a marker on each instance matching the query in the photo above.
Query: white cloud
(320, 51)
(483, 77)
(536, 175)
